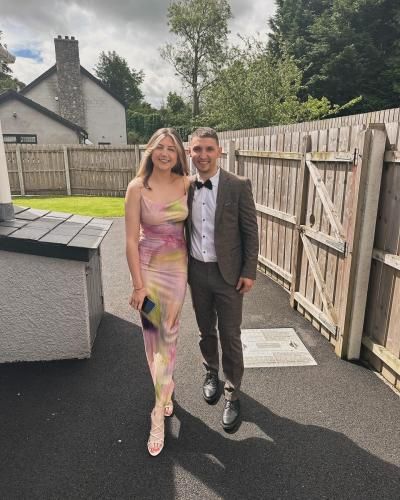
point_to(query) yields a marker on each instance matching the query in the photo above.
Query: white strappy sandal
(155, 444)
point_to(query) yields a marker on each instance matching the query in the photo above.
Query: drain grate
(274, 347)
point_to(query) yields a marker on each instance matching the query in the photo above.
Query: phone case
(148, 305)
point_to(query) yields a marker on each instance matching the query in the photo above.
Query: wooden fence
(78, 169)
(321, 196)
(322, 190)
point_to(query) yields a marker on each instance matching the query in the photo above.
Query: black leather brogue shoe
(231, 415)
(210, 387)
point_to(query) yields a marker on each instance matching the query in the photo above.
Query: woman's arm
(132, 232)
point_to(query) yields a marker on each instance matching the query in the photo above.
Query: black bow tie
(207, 184)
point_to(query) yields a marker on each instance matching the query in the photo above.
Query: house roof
(84, 71)
(12, 94)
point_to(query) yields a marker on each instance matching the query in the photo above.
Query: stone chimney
(70, 97)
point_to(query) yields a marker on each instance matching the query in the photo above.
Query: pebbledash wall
(44, 328)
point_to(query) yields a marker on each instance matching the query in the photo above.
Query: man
(223, 251)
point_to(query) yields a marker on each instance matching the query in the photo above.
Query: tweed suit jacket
(236, 230)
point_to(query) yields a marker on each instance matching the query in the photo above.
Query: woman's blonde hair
(146, 164)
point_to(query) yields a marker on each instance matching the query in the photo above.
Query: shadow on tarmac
(291, 460)
(78, 429)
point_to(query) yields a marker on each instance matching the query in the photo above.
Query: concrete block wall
(44, 308)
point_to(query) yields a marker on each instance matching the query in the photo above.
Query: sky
(135, 29)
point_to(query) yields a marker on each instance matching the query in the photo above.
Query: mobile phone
(148, 305)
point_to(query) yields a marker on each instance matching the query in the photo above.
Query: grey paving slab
(58, 238)
(18, 209)
(14, 223)
(59, 215)
(92, 231)
(31, 214)
(87, 241)
(6, 230)
(28, 234)
(81, 219)
(36, 229)
(100, 223)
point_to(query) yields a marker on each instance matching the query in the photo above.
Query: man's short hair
(204, 132)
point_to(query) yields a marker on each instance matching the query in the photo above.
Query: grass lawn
(96, 206)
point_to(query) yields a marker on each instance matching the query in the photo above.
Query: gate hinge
(355, 157)
(347, 249)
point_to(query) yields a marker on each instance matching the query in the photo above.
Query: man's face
(205, 152)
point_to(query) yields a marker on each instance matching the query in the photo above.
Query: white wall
(45, 93)
(31, 121)
(105, 116)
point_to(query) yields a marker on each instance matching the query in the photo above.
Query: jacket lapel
(221, 195)
(190, 203)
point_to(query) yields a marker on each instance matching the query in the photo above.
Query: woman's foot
(169, 409)
(155, 444)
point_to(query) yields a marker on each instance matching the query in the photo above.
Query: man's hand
(244, 285)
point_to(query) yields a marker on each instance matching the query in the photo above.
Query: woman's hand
(137, 298)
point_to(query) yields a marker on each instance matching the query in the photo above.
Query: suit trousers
(215, 300)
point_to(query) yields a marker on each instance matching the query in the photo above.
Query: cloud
(135, 29)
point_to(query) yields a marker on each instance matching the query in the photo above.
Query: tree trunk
(195, 103)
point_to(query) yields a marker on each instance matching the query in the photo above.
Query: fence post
(240, 165)
(19, 167)
(231, 156)
(367, 183)
(301, 214)
(66, 167)
(137, 158)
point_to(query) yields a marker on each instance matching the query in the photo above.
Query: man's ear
(219, 151)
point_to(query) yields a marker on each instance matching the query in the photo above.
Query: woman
(155, 211)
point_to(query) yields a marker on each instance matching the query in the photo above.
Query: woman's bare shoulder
(135, 187)
(136, 184)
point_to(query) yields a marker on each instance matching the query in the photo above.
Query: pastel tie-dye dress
(163, 261)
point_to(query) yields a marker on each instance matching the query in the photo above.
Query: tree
(176, 112)
(256, 90)
(345, 48)
(124, 82)
(7, 81)
(202, 29)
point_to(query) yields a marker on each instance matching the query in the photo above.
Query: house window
(20, 138)
(104, 143)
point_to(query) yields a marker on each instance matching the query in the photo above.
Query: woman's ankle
(158, 411)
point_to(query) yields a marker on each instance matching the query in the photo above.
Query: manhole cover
(274, 347)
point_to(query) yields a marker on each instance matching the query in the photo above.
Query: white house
(87, 108)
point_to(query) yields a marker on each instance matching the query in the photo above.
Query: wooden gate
(337, 234)
(316, 208)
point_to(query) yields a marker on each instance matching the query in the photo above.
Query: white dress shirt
(203, 221)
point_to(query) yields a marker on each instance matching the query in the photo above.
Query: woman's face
(165, 156)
